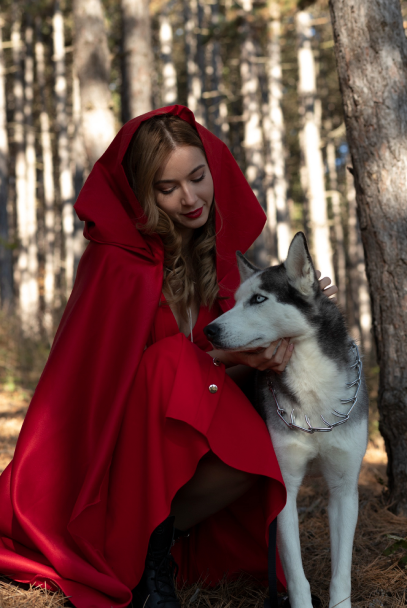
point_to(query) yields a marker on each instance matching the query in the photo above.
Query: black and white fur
(286, 301)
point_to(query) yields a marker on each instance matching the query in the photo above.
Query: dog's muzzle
(213, 333)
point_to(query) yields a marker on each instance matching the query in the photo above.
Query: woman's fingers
(330, 291)
(324, 283)
(277, 359)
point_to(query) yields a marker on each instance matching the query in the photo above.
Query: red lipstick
(194, 214)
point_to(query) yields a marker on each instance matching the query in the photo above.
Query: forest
(310, 96)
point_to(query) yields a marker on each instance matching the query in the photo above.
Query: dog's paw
(284, 602)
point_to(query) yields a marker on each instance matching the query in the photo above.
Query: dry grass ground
(377, 579)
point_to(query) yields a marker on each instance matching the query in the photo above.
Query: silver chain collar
(357, 365)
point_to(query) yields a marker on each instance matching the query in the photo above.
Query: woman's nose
(188, 196)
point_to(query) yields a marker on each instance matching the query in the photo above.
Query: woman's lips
(194, 214)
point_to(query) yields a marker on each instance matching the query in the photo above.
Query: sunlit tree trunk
(311, 147)
(65, 175)
(27, 263)
(6, 267)
(31, 227)
(92, 62)
(195, 84)
(340, 271)
(278, 219)
(371, 54)
(138, 58)
(49, 186)
(79, 167)
(169, 74)
(362, 318)
(253, 135)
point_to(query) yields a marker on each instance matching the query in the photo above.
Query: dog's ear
(246, 269)
(299, 266)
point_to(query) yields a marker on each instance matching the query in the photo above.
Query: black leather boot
(156, 588)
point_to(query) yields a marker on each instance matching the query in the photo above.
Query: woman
(132, 421)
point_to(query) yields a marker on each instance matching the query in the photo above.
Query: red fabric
(112, 431)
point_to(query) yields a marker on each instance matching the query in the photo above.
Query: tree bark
(138, 59)
(169, 74)
(194, 74)
(253, 134)
(278, 218)
(79, 168)
(340, 270)
(311, 147)
(49, 186)
(359, 290)
(6, 265)
(27, 263)
(92, 61)
(65, 175)
(371, 53)
(31, 227)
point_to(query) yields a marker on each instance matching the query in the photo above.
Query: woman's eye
(257, 299)
(167, 191)
(199, 179)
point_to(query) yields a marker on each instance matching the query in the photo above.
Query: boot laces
(165, 574)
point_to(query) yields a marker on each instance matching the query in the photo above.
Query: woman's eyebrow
(164, 181)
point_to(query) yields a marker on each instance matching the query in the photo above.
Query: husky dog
(322, 390)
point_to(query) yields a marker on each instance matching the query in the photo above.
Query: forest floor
(379, 573)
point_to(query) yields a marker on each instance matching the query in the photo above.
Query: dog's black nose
(212, 331)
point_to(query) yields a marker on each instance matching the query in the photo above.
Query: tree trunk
(6, 265)
(92, 62)
(65, 175)
(340, 270)
(191, 52)
(26, 271)
(79, 167)
(169, 74)
(278, 219)
(371, 53)
(311, 147)
(49, 187)
(31, 176)
(138, 59)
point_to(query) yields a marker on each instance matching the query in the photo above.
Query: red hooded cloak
(112, 432)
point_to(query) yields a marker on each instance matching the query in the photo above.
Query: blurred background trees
(260, 74)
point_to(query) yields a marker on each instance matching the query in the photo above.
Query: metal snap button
(216, 362)
(213, 388)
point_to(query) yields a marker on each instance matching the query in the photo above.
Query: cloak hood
(111, 210)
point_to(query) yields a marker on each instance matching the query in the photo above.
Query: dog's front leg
(341, 474)
(293, 469)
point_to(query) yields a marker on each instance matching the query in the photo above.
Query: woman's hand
(323, 283)
(274, 357)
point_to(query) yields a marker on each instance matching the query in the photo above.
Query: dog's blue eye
(257, 299)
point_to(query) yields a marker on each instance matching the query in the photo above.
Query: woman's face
(184, 188)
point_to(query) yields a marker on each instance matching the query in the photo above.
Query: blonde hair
(190, 271)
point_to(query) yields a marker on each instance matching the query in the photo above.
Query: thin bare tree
(374, 92)
(92, 62)
(253, 134)
(6, 266)
(169, 74)
(48, 183)
(335, 196)
(310, 142)
(278, 218)
(27, 263)
(65, 176)
(192, 53)
(138, 58)
(79, 167)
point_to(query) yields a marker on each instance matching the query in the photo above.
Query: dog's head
(270, 304)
